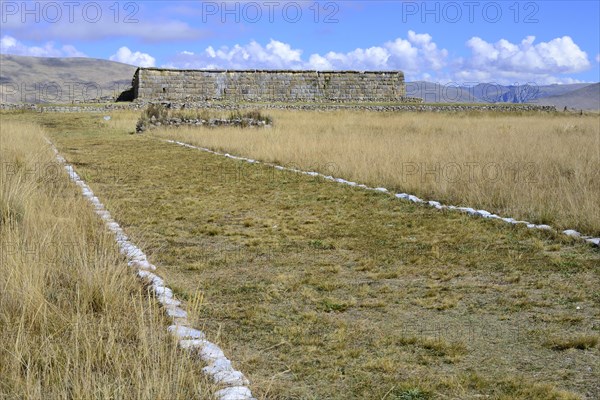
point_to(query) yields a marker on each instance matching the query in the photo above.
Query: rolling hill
(61, 80)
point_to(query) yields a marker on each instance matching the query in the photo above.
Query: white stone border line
(234, 384)
(403, 196)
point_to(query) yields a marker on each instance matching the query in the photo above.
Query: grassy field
(321, 291)
(74, 321)
(543, 168)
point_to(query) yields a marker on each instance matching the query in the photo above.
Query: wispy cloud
(148, 27)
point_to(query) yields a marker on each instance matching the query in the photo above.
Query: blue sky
(506, 42)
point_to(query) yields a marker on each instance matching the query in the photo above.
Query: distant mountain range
(584, 96)
(62, 80)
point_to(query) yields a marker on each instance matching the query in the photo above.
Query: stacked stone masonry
(139, 105)
(268, 85)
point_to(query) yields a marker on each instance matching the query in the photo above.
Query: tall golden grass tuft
(74, 321)
(539, 167)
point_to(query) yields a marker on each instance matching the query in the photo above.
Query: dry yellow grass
(318, 290)
(539, 167)
(74, 322)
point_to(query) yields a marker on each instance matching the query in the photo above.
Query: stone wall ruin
(268, 85)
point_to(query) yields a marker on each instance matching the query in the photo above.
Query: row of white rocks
(403, 196)
(233, 384)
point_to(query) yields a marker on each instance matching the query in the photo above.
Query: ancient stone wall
(139, 105)
(268, 85)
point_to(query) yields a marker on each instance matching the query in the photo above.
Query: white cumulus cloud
(253, 55)
(417, 54)
(10, 45)
(524, 60)
(137, 58)
(412, 55)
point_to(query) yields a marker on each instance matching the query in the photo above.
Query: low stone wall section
(325, 107)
